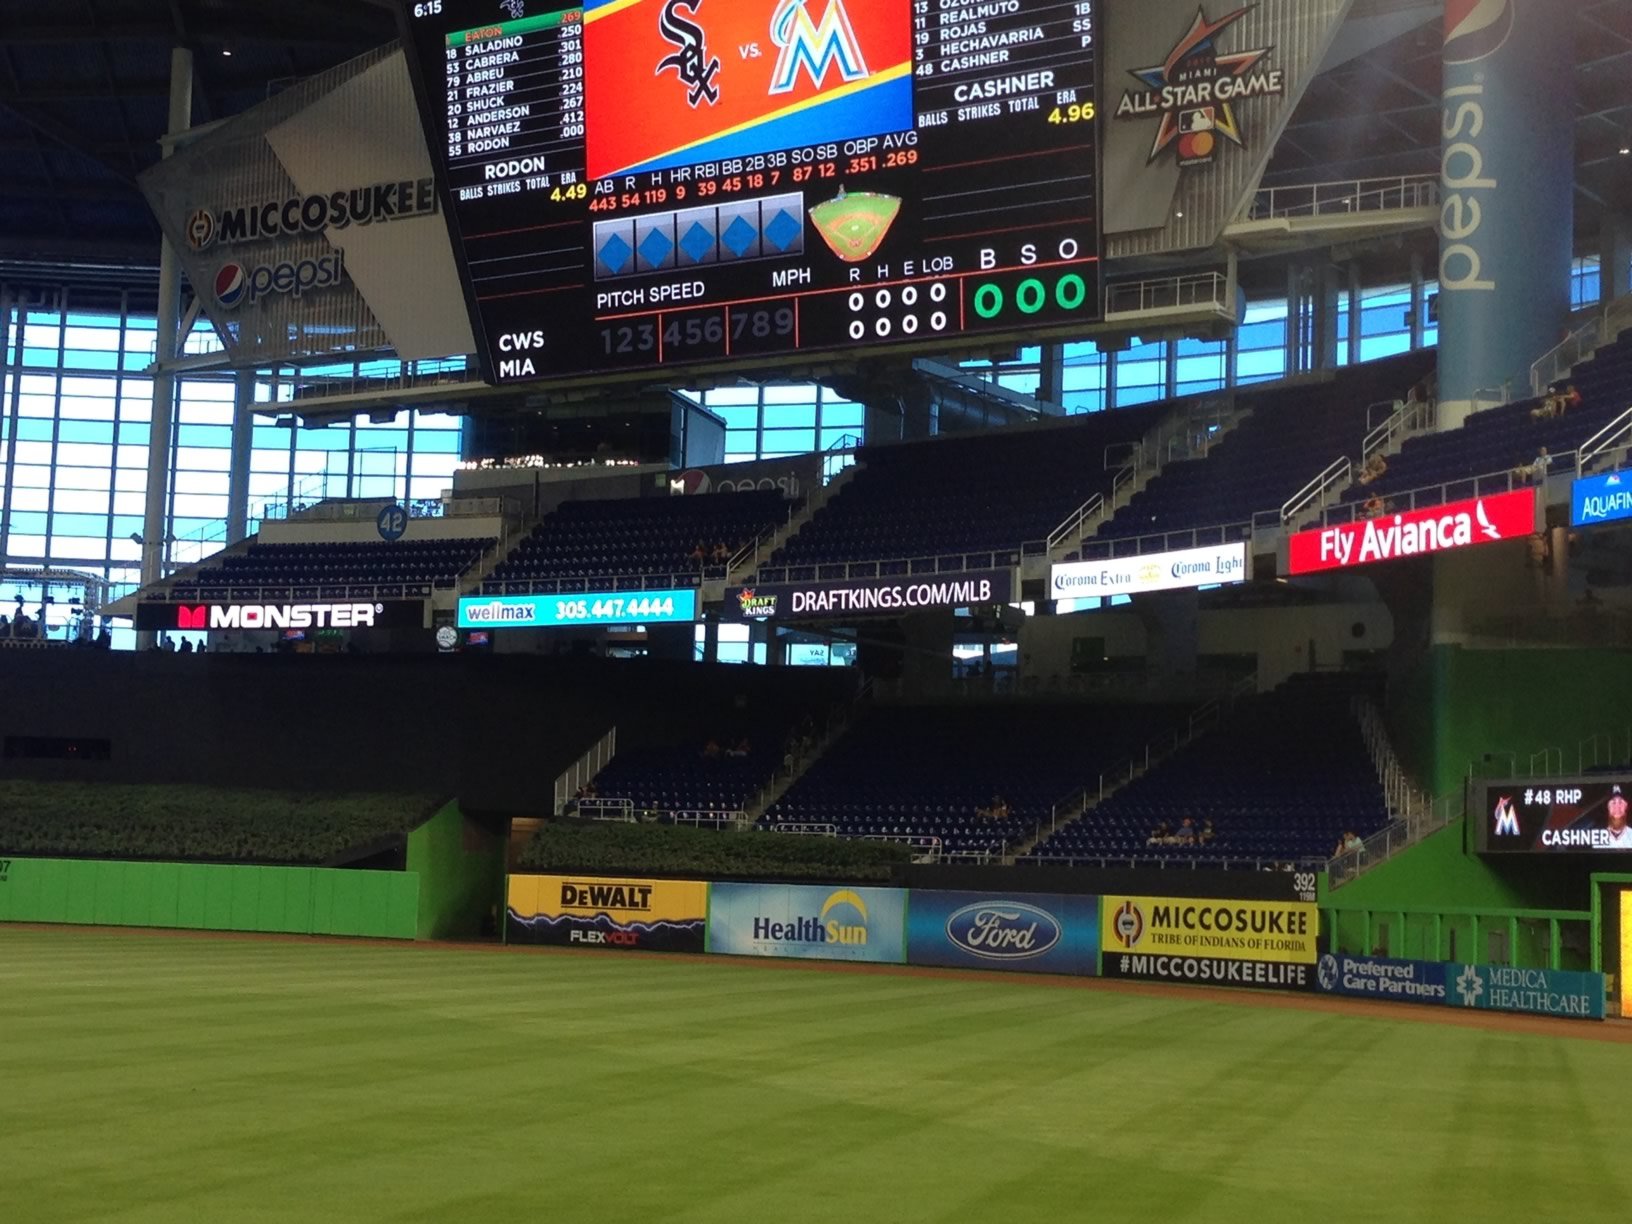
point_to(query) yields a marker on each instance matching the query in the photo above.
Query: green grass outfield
(151, 1077)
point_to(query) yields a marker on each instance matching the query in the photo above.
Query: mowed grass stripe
(152, 1078)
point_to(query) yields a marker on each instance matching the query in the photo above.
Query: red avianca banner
(1480, 520)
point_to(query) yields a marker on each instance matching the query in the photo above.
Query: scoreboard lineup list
(641, 183)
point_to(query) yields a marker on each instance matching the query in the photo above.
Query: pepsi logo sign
(1476, 29)
(1003, 930)
(230, 283)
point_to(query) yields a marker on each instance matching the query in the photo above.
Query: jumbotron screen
(637, 184)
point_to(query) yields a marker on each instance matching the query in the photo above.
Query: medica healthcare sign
(1414, 533)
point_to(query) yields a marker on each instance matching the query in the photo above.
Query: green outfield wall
(460, 866)
(210, 897)
(1459, 705)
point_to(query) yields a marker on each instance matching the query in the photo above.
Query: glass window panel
(732, 395)
(201, 482)
(737, 416)
(194, 505)
(27, 546)
(202, 459)
(791, 441)
(30, 499)
(29, 477)
(786, 393)
(218, 437)
(130, 480)
(130, 503)
(790, 416)
(37, 406)
(78, 524)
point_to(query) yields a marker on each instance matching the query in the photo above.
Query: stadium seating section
(908, 772)
(413, 565)
(1282, 778)
(1291, 436)
(638, 538)
(992, 493)
(1502, 439)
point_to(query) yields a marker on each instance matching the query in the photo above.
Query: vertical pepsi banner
(1507, 182)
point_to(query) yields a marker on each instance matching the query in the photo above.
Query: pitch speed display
(635, 184)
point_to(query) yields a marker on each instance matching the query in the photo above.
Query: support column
(154, 522)
(1294, 320)
(243, 440)
(1051, 387)
(1357, 300)
(1507, 188)
(1615, 256)
(1323, 317)
(9, 409)
(1419, 303)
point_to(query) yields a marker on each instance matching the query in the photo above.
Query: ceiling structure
(84, 88)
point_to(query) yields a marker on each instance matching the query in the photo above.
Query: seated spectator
(739, 751)
(1000, 808)
(1185, 835)
(1539, 466)
(1161, 835)
(1373, 507)
(711, 750)
(1205, 837)
(698, 554)
(721, 554)
(1374, 468)
(1352, 842)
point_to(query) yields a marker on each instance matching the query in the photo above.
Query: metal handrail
(1605, 439)
(1108, 548)
(603, 582)
(1581, 343)
(190, 590)
(1346, 196)
(887, 567)
(1197, 862)
(805, 828)
(1429, 496)
(1406, 416)
(736, 818)
(1338, 472)
(1167, 293)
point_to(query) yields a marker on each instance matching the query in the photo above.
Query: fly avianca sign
(1481, 520)
(336, 615)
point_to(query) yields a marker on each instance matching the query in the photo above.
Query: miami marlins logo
(692, 62)
(814, 46)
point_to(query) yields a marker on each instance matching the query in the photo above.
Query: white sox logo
(692, 62)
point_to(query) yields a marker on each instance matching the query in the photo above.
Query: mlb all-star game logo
(1192, 94)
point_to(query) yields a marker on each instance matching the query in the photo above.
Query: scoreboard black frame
(634, 186)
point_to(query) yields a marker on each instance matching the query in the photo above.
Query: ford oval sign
(1003, 930)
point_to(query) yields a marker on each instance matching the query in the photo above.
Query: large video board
(1555, 816)
(637, 184)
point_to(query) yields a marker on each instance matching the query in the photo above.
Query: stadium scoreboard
(638, 184)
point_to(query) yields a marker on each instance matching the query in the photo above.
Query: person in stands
(1374, 468)
(1186, 833)
(721, 554)
(1205, 837)
(1539, 466)
(698, 554)
(1161, 835)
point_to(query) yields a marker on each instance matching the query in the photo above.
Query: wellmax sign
(1182, 569)
(1455, 525)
